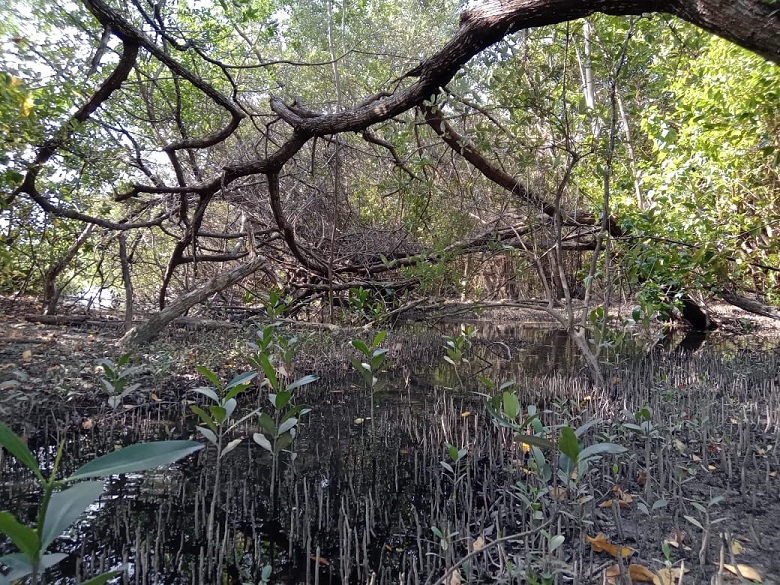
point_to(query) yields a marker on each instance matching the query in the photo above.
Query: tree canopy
(172, 151)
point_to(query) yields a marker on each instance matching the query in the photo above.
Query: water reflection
(359, 498)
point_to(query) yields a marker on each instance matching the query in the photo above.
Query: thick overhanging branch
(123, 29)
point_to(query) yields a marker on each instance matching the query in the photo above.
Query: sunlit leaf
(138, 457)
(637, 573)
(600, 544)
(746, 571)
(230, 446)
(263, 441)
(66, 506)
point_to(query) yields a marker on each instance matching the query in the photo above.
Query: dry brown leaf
(623, 499)
(455, 578)
(746, 571)
(600, 544)
(637, 573)
(559, 493)
(479, 543)
(668, 576)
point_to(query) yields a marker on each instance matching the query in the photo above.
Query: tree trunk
(125, 261)
(51, 294)
(145, 332)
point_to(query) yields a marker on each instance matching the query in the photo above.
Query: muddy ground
(53, 369)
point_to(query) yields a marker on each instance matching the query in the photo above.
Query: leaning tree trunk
(148, 330)
(51, 294)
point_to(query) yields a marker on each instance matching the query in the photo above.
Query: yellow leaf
(455, 578)
(637, 573)
(155, 397)
(359, 421)
(27, 106)
(746, 571)
(600, 544)
(711, 467)
(668, 576)
(465, 413)
(27, 355)
(479, 543)
(736, 547)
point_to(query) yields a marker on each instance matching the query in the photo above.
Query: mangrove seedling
(116, 377)
(217, 423)
(375, 363)
(278, 433)
(61, 506)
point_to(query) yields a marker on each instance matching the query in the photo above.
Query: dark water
(359, 502)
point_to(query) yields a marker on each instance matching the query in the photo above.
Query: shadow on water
(360, 501)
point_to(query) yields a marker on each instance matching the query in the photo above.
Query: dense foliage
(154, 147)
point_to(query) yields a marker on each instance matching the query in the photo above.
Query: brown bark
(145, 332)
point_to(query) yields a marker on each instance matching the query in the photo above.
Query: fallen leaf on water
(600, 544)
(746, 571)
(637, 573)
(668, 576)
(27, 355)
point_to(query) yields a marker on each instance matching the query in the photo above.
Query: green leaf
(281, 399)
(230, 407)
(555, 542)
(244, 378)
(24, 537)
(283, 442)
(19, 567)
(568, 444)
(534, 441)
(208, 392)
(287, 425)
(207, 420)
(208, 433)
(379, 338)
(268, 370)
(267, 424)
(101, 579)
(209, 375)
(263, 441)
(601, 449)
(218, 412)
(360, 346)
(138, 457)
(65, 507)
(302, 382)
(511, 405)
(19, 450)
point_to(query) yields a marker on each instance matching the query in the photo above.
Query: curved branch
(123, 29)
